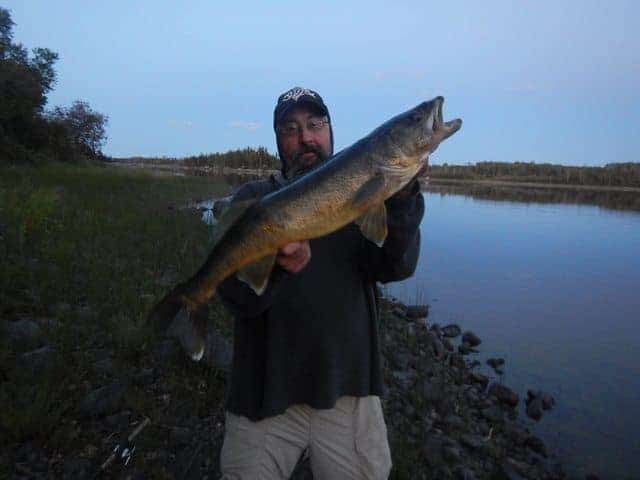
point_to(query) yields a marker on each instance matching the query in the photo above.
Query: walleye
(350, 186)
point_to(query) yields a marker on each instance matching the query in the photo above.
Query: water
(555, 290)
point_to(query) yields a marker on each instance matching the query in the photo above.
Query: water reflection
(613, 199)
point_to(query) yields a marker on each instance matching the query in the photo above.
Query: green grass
(91, 249)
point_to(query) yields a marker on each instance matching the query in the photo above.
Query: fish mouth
(441, 129)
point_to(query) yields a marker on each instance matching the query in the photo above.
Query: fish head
(416, 133)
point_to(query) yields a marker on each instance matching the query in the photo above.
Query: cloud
(181, 124)
(248, 126)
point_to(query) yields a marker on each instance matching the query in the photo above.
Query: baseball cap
(294, 97)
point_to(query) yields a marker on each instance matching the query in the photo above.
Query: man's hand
(294, 256)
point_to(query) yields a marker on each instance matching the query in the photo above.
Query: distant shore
(511, 183)
(425, 181)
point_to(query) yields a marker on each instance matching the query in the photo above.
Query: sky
(536, 81)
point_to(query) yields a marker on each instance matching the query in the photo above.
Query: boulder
(417, 311)
(451, 331)
(504, 394)
(471, 338)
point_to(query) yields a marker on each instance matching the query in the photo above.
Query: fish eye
(416, 118)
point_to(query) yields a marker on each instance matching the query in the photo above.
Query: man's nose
(306, 135)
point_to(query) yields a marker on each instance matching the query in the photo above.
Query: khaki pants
(348, 441)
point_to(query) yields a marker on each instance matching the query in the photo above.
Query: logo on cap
(297, 92)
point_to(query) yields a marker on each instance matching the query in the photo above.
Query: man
(306, 371)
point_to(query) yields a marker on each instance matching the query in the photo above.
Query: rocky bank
(446, 420)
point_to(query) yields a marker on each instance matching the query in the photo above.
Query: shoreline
(425, 181)
(510, 183)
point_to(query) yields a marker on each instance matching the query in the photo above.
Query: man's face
(304, 139)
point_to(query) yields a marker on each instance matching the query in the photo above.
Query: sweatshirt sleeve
(398, 256)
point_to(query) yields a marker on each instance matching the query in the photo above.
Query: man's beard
(297, 167)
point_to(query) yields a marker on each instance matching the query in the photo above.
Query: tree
(26, 130)
(84, 126)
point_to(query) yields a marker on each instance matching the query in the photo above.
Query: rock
(471, 338)
(471, 441)
(495, 363)
(75, 468)
(432, 450)
(404, 378)
(493, 414)
(436, 345)
(103, 400)
(504, 394)
(514, 470)
(433, 391)
(534, 408)
(36, 361)
(480, 379)
(464, 473)
(547, 400)
(451, 331)
(417, 311)
(442, 472)
(516, 434)
(537, 445)
(457, 361)
(145, 376)
(454, 422)
(181, 435)
(23, 335)
(104, 366)
(118, 421)
(448, 344)
(451, 454)
(464, 348)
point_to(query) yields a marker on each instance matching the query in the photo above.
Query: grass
(85, 252)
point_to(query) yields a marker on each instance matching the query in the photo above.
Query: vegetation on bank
(610, 175)
(84, 253)
(29, 133)
(245, 158)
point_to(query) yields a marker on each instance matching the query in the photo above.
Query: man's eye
(316, 123)
(289, 128)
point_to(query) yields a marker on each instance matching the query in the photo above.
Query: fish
(350, 186)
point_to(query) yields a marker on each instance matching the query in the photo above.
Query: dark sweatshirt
(312, 337)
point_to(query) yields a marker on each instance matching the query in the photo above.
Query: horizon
(176, 82)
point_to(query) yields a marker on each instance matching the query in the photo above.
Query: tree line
(245, 158)
(28, 131)
(612, 174)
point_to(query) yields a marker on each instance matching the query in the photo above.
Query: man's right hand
(294, 256)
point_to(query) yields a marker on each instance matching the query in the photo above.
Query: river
(554, 288)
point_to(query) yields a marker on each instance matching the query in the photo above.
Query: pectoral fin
(373, 224)
(256, 274)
